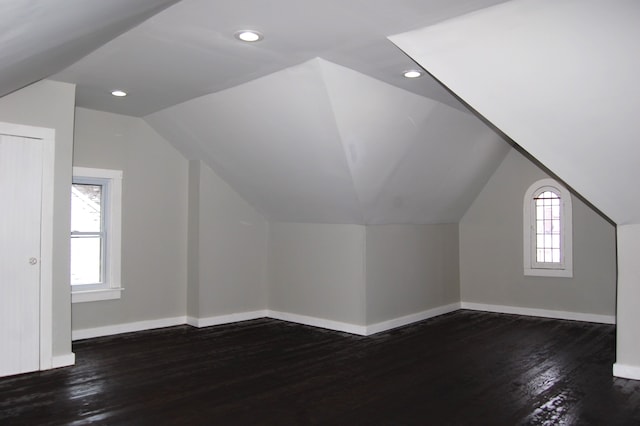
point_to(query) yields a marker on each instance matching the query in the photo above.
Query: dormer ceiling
(558, 77)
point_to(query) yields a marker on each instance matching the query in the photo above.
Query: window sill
(82, 296)
(540, 272)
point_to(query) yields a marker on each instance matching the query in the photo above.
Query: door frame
(46, 232)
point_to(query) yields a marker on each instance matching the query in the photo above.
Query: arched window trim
(564, 268)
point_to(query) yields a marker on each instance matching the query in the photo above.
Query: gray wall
(491, 258)
(154, 217)
(193, 241)
(50, 104)
(317, 270)
(410, 269)
(227, 248)
(627, 342)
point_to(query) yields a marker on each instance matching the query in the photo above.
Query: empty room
(302, 212)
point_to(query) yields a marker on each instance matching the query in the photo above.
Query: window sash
(105, 207)
(552, 240)
(102, 269)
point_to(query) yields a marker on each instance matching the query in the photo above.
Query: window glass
(86, 203)
(87, 234)
(86, 260)
(548, 227)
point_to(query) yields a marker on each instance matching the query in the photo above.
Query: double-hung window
(95, 234)
(548, 230)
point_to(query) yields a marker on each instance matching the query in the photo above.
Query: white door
(21, 162)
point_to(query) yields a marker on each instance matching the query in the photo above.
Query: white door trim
(46, 232)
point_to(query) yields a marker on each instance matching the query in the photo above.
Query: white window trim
(531, 267)
(113, 287)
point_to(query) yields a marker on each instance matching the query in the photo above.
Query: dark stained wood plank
(464, 368)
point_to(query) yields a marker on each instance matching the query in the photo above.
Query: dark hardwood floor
(464, 368)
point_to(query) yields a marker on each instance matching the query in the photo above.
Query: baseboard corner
(411, 318)
(625, 371)
(345, 327)
(65, 360)
(225, 319)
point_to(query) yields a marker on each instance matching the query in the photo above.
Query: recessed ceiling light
(412, 74)
(119, 93)
(248, 35)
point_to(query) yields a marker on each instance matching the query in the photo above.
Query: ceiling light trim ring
(412, 73)
(249, 36)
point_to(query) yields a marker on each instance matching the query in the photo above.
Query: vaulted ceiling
(322, 143)
(189, 50)
(560, 78)
(40, 38)
(315, 123)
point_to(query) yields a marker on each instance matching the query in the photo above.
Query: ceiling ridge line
(327, 92)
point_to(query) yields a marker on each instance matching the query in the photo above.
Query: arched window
(547, 230)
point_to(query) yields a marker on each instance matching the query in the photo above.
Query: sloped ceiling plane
(315, 122)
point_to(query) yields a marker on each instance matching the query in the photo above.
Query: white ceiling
(560, 78)
(322, 143)
(315, 123)
(40, 38)
(189, 49)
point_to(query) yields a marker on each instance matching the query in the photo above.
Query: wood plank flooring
(464, 368)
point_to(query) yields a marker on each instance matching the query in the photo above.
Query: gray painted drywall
(227, 248)
(51, 104)
(317, 270)
(627, 342)
(491, 253)
(154, 217)
(193, 240)
(410, 269)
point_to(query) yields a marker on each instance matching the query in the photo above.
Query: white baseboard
(109, 330)
(409, 319)
(63, 360)
(626, 371)
(362, 330)
(226, 319)
(545, 313)
(319, 322)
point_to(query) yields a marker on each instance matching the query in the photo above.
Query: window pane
(86, 255)
(86, 202)
(548, 227)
